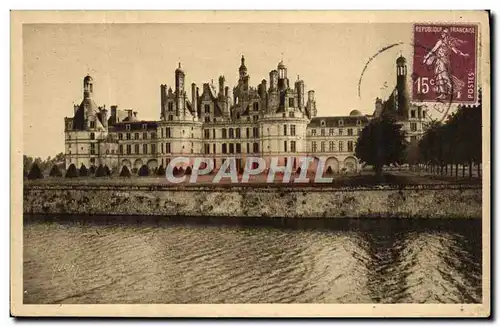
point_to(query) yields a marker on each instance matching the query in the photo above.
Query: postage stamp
(445, 63)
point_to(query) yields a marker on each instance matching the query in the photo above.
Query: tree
(92, 170)
(107, 170)
(143, 171)
(72, 172)
(382, 142)
(55, 171)
(35, 172)
(125, 172)
(83, 171)
(101, 171)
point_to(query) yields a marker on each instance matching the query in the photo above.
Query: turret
(243, 68)
(403, 98)
(221, 86)
(163, 100)
(282, 78)
(179, 80)
(299, 89)
(88, 88)
(311, 104)
(194, 98)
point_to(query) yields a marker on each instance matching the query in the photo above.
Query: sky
(128, 62)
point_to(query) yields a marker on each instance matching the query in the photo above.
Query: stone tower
(401, 86)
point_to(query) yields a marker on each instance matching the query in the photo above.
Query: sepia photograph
(250, 164)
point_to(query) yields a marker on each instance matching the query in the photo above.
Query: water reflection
(313, 261)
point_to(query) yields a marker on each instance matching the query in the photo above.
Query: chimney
(194, 97)
(104, 117)
(226, 91)
(221, 85)
(299, 89)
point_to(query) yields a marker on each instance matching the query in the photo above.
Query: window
(255, 106)
(170, 117)
(153, 148)
(248, 132)
(359, 131)
(349, 131)
(412, 113)
(207, 119)
(120, 149)
(224, 133)
(92, 124)
(206, 148)
(92, 136)
(341, 146)
(224, 148)
(92, 148)
(231, 148)
(238, 148)
(167, 132)
(313, 132)
(238, 133)
(323, 147)
(292, 130)
(136, 135)
(128, 136)
(331, 131)
(153, 135)
(215, 147)
(145, 136)
(341, 132)
(341, 122)
(145, 148)
(237, 115)
(413, 127)
(167, 149)
(285, 147)
(248, 147)
(161, 147)
(129, 148)
(331, 146)
(423, 114)
(284, 130)
(207, 108)
(293, 146)
(413, 138)
(127, 127)
(350, 146)
(358, 122)
(255, 132)
(292, 114)
(255, 118)
(231, 133)
(120, 136)
(161, 133)
(170, 106)
(322, 132)
(206, 133)
(144, 126)
(136, 148)
(314, 147)
(290, 102)
(213, 134)
(256, 147)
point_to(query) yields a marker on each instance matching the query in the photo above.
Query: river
(151, 260)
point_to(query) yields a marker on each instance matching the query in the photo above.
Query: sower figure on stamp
(446, 84)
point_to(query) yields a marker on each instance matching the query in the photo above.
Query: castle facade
(270, 120)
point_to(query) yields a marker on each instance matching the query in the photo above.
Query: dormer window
(341, 122)
(292, 114)
(127, 127)
(255, 106)
(170, 106)
(207, 108)
(322, 123)
(358, 122)
(144, 126)
(92, 124)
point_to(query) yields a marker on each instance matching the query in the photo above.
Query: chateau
(275, 119)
